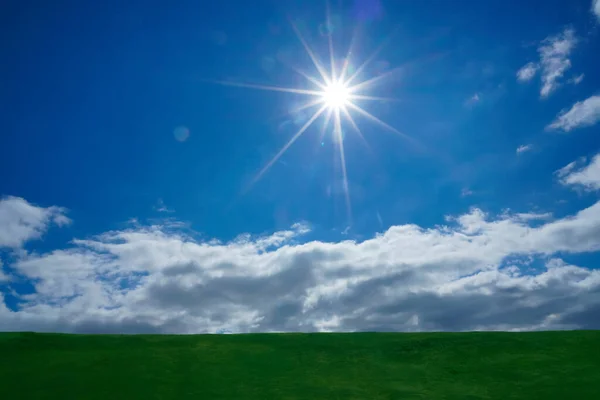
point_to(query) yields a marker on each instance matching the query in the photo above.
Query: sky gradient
(129, 157)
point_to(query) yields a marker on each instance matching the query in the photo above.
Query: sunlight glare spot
(336, 95)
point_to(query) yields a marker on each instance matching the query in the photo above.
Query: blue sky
(111, 221)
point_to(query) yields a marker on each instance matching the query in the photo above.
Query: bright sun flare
(336, 95)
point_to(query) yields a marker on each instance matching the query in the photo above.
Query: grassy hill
(544, 365)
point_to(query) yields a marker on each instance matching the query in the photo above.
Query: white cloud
(527, 72)
(581, 114)
(466, 275)
(596, 8)
(531, 216)
(566, 169)
(524, 148)
(577, 79)
(161, 207)
(474, 273)
(554, 52)
(21, 221)
(554, 59)
(587, 176)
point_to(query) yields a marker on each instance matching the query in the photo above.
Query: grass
(541, 365)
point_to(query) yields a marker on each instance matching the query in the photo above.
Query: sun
(336, 95)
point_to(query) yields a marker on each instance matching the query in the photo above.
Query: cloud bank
(477, 272)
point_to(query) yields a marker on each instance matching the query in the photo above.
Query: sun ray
(370, 58)
(288, 144)
(308, 77)
(380, 122)
(375, 98)
(356, 128)
(306, 105)
(340, 140)
(312, 55)
(348, 54)
(330, 40)
(345, 67)
(371, 81)
(270, 88)
(325, 124)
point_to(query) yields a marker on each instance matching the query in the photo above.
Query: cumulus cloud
(473, 273)
(554, 59)
(527, 72)
(596, 8)
(581, 114)
(21, 221)
(524, 148)
(587, 176)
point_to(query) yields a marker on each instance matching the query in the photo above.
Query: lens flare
(181, 133)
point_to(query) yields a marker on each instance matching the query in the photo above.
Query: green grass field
(545, 365)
